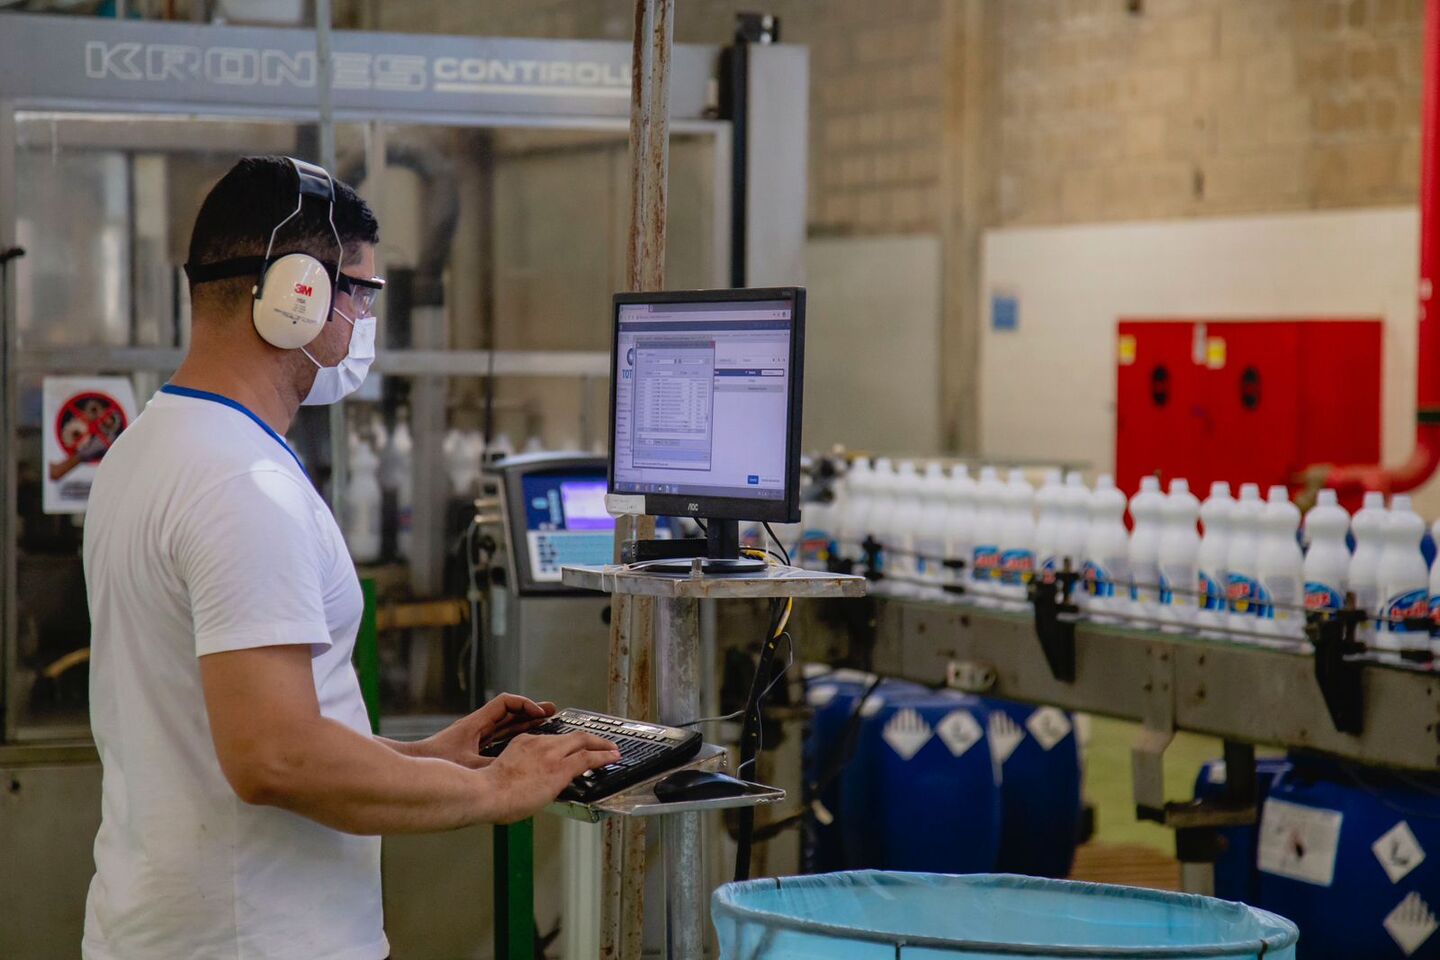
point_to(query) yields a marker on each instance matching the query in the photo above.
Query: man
(243, 793)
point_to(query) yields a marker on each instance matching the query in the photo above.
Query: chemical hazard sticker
(1005, 736)
(1299, 842)
(1411, 923)
(959, 731)
(907, 733)
(1398, 852)
(1048, 726)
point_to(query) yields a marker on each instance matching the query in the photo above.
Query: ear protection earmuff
(294, 292)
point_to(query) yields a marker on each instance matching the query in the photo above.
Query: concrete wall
(1048, 388)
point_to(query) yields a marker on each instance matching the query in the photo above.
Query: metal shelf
(774, 581)
(640, 800)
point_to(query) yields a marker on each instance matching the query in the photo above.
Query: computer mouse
(698, 785)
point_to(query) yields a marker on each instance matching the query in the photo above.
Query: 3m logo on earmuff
(305, 289)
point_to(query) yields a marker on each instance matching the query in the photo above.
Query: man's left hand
(505, 716)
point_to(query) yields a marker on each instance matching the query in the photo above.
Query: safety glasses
(363, 292)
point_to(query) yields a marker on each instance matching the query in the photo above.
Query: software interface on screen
(701, 398)
(566, 523)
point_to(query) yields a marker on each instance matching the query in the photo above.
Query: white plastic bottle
(1212, 583)
(1179, 557)
(1017, 538)
(399, 475)
(854, 513)
(817, 532)
(461, 464)
(1050, 524)
(1075, 523)
(928, 532)
(1404, 580)
(1368, 525)
(1147, 510)
(1107, 552)
(362, 503)
(905, 521)
(985, 543)
(1327, 562)
(959, 522)
(882, 507)
(500, 448)
(1281, 569)
(1242, 561)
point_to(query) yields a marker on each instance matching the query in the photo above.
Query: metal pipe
(631, 634)
(1426, 455)
(339, 450)
(677, 663)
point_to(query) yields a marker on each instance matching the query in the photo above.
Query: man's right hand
(532, 770)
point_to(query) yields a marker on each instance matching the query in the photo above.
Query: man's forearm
(362, 785)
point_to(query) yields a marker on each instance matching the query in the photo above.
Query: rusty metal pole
(632, 619)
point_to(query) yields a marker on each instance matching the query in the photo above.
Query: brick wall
(1197, 107)
(876, 86)
(1186, 108)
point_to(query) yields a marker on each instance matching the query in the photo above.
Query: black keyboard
(645, 750)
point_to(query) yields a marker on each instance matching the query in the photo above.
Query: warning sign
(1299, 842)
(1398, 851)
(81, 418)
(1005, 736)
(1048, 726)
(906, 733)
(1411, 923)
(959, 732)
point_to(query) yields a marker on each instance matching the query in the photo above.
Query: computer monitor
(705, 397)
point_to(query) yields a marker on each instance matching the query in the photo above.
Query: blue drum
(1353, 857)
(1040, 779)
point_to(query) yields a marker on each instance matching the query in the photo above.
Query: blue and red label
(987, 564)
(1212, 595)
(1098, 583)
(816, 548)
(1247, 596)
(1322, 596)
(1414, 604)
(1016, 566)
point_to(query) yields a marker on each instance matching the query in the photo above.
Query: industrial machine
(542, 638)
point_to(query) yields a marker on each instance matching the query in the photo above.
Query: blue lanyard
(235, 405)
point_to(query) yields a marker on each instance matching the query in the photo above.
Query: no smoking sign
(83, 417)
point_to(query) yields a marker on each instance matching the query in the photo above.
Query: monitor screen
(566, 523)
(703, 397)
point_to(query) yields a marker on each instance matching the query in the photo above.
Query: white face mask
(335, 383)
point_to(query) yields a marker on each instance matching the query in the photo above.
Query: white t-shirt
(204, 535)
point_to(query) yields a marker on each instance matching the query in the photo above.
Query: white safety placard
(1398, 851)
(1411, 923)
(1048, 726)
(959, 731)
(1005, 736)
(80, 418)
(906, 733)
(1299, 842)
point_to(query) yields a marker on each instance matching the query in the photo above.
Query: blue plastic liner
(870, 915)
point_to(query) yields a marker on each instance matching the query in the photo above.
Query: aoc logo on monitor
(693, 507)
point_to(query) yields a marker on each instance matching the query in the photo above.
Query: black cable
(750, 732)
(766, 524)
(701, 524)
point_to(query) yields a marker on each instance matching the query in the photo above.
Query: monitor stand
(722, 553)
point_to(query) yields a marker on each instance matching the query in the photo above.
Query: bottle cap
(1179, 485)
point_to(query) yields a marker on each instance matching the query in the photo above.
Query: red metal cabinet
(1244, 400)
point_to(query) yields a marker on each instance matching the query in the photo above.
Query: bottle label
(1173, 595)
(815, 549)
(1167, 592)
(1247, 596)
(929, 557)
(1402, 607)
(1435, 609)
(1211, 594)
(1322, 596)
(1098, 583)
(1017, 566)
(987, 564)
(1046, 569)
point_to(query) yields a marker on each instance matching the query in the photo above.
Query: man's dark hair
(245, 205)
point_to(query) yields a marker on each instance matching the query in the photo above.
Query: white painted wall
(872, 334)
(1048, 389)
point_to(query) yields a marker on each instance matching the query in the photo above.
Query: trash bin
(871, 915)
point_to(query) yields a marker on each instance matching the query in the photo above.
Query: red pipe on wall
(1426, 456)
